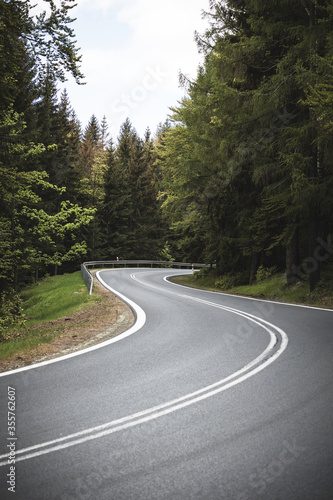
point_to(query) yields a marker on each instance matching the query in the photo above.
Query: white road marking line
(265, 301)
(134, 328)
(258, 364)
(140, 321)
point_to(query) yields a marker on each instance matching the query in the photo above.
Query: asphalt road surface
(207, 396)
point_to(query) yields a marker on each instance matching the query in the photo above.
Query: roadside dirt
(85, 328)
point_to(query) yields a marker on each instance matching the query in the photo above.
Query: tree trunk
(254, 266)
(314, 264)
(292, 260)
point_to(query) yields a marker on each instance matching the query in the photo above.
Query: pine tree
(116, 210)
(130, 212)
(46, 121)
(90, 147)
(68, 148)
(104, 133)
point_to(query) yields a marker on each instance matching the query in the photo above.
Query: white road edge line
(267, 301)
(251, 369)
(140, 321)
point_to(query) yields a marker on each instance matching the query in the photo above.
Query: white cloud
(102, 5)
(133, 52)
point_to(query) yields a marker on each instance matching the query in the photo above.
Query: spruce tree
(116, 210)
(257, 160)
(130, 212)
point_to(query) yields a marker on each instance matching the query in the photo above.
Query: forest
(239, 176)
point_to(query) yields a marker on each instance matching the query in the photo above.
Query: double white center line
(278, 342)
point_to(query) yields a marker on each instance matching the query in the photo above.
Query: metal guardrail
(89, 279)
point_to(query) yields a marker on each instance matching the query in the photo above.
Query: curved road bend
(209, 396)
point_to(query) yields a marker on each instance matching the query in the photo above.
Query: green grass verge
(53, 298)
(272, 288)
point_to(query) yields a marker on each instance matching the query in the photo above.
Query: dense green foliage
(65, 194)
(247, 165)
(39, 224)
(241, 176)
(130, 212)
(272, 287)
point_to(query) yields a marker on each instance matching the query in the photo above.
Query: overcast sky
(132, 53)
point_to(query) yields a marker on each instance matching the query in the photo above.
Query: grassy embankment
(53, 298)
(272, 288)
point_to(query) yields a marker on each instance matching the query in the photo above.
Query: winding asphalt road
(208, 396)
